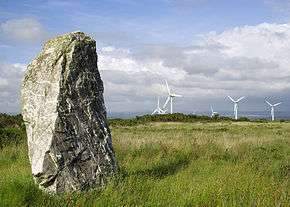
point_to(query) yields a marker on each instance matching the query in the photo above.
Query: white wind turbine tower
(170, 97)
(213, 113)
(272, 109)
(158, 110)
(236, 105)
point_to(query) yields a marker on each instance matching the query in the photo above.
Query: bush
(11, 136)
(12, 130)
(15, 121)
(243, 119)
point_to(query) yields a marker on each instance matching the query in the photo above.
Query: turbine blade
(240, 98)
(158, 103)
(166, 102)
(268, 103)
(163, 111)
(231, 99)
(154, 112)
(176, 95)
(211, 109)
(277, 104)
(168, 89)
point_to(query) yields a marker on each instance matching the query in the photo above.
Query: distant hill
(280, 115)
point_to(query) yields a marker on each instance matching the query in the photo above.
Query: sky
(205, 49)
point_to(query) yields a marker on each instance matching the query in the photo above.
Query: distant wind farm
(171, 96)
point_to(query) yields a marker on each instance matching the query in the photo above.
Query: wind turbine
(236, 105)
(170, 98)
(213, 113)
(158, 110)
(272, 109)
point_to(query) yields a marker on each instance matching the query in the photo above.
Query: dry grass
(226, 135)
(175, 164)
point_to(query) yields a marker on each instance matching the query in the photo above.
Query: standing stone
(69, 141)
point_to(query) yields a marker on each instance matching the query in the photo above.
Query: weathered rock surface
(69, 141)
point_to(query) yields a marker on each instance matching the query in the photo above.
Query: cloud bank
(249, 60)
(252, 61)
(10, 80)
(23, 30)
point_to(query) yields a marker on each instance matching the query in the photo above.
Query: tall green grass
(221, 163)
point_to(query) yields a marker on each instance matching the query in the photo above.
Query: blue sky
(147, 38)
(128, 23)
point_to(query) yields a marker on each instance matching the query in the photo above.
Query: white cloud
(129, 82)
(10, 80)
(27, 29)
(248, 60)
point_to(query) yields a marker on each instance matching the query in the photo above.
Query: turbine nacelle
(175, 95)
(273, 105)
(236, 101)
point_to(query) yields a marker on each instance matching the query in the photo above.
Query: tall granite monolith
(69, 141)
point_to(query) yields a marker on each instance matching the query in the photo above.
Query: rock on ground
(69, 141)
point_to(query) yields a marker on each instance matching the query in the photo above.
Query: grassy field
(221, 163)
